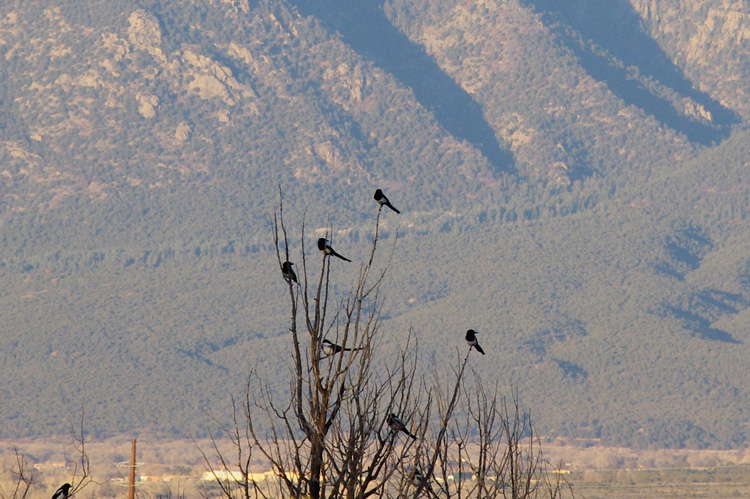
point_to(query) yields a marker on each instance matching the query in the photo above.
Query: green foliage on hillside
(585, 211)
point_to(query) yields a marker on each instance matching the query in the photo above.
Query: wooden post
(131, 491)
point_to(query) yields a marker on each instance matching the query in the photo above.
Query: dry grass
(173, 468)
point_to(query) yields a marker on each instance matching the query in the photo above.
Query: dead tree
(331, 438)
(353, 424)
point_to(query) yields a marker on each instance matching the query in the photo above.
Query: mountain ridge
(596, 248)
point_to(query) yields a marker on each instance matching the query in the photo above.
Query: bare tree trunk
(316, 468)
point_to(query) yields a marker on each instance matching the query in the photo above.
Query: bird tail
(394, 209)
(479, 349)
(343, 258)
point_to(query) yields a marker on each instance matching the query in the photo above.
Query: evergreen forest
(573, 181)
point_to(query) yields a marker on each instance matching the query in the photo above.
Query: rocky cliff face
(706, 38)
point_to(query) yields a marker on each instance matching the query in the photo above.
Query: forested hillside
(572, 178)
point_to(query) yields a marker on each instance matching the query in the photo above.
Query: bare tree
(331, 438)
(331, 433)
(356, 425)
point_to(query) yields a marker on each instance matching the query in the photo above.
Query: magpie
(330, 348)
(419, 480)
(62, 492)
(288, 272)
(326, 249)
(471, 339)
(382, 200)
(397, 425)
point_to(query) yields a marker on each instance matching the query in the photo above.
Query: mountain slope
(582, 206)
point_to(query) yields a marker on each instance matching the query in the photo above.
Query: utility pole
(131, 490)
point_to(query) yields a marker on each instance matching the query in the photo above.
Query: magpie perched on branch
(326, 249)
(330, 348)
(419, 480)
(471, 339)
(62, 492)
(382, 200)
(288, 272)
(397, 425)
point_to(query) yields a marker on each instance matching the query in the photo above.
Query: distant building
(222, 476)
(236, 475)
(49, 465)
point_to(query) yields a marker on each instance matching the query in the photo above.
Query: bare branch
(23, 478)
(81, 465)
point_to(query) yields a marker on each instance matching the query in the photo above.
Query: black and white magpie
(288, 272)
(62, 492)
(471, 339)
(419, 480)
(326, 249)
(397, 425)
(330, 348)
(382, 200)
